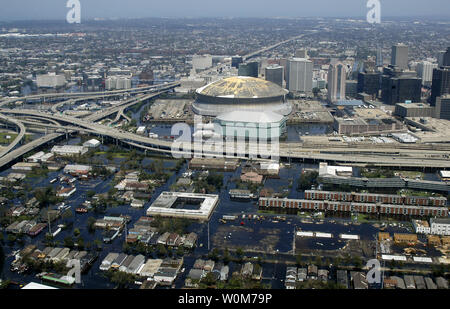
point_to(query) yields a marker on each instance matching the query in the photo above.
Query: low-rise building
(421, 226)
(440, 226)
(69, 150)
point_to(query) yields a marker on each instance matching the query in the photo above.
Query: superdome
(241, 93)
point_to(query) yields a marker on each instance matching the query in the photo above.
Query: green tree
(121, 278)
(68, 242)
(76, 232)
(90, 224)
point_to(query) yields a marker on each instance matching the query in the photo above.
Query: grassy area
(417, 193)
(115, 155)
(361, 218)
(377, 173)
(4, 140)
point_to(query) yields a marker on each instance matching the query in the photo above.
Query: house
(252, 177)
(224, 271)
(312, 271)
(420, 282)
(209, 265)
(199, 264)
(291, 278)
(400, 283)
(165, 275)
(66, 192)
(430, 283)
(126, 263)
(359, 280)
(302, 274)
(409, 282)
(322, 274)
(247, 269)
(163, 238)
(173, 263)
(172, 239)
(150, 268)
(136, 264)
(137, 203)
(106, 263)
(190, 240)
(196, 274)
(257, 272)
(441, 283)
(342, 278)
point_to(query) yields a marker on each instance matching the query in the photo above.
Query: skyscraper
(399, 56)
(235, 61)
(275, 74)
(442, 107)
(379, 57)
(440, 84)
(446, 58)
(249, 69)
(398, 86)
(336, 82)
(299, 75)
(424, 70)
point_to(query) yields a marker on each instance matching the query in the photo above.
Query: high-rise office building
(351, 88)
(379, 57)
(337, 77)
(369, 83)
(275, 74)
(424, 70)
(446, 58)
(249, 69)
(299, 75)
(398, 86)
(399, 56)
(440, 83)
(442, 107)
(236, 61)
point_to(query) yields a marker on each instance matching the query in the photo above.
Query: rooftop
(242, 87)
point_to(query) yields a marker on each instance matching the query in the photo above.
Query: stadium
(241, 93)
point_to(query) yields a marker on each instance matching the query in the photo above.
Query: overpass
(394, 157)
(98, 94)
(19, 137)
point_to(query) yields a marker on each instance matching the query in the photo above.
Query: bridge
(369, 155)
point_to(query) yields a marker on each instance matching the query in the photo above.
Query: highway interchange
(434, 156)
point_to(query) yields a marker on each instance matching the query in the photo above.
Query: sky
(56, 9)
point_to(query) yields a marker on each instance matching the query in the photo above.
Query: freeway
(19, 152)
(19, 137)
(372, 156)
(97, 94)
(262, 50)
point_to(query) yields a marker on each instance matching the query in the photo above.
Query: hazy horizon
(19, 10)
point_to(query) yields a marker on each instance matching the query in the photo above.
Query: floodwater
(244, 232)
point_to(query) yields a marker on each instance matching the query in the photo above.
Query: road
(19, 137)
(367, 155)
